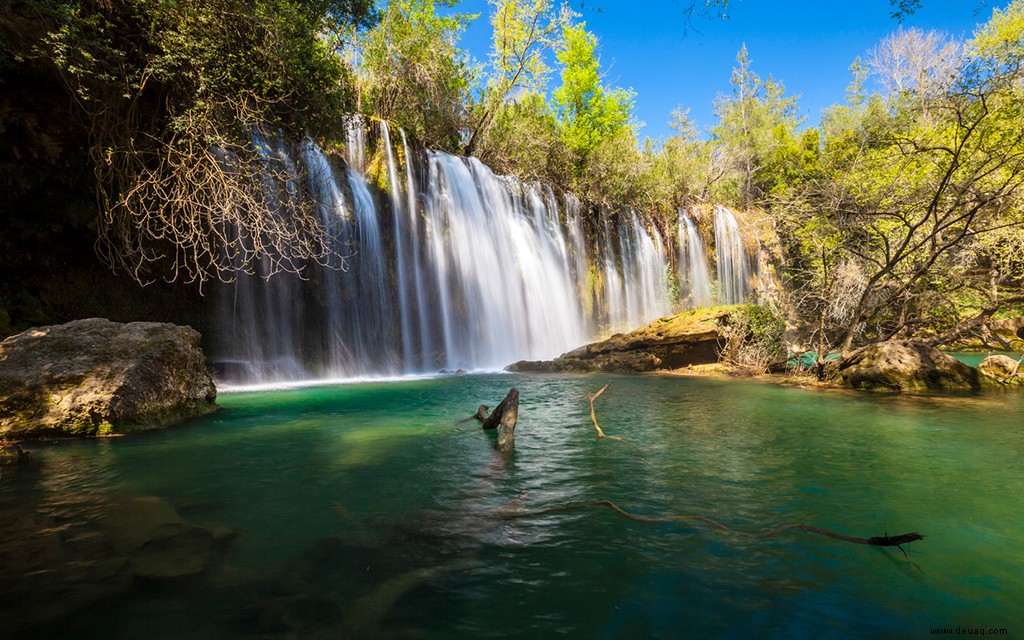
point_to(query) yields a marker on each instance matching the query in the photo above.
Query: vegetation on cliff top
(899, 215)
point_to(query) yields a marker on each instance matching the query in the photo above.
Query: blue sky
(808, 45)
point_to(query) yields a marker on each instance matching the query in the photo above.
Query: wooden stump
(504, 418)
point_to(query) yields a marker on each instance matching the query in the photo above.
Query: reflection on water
(372, 510)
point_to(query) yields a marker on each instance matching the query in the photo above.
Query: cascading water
(448, 266)
(731, 259)
(693, 264)
(643, 268)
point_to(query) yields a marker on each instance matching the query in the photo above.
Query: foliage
(170, 97)
(413, 73)
(590, 112)
(523, 32)
(911, 220)
(756, 133)
(754, 339)
(524, 140)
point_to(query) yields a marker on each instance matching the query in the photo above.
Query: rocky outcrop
(899, 365)
(1002, 370)
(97, 377)
(673, 342)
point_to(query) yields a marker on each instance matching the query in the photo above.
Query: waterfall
(693, 264)
(398, 230)
(733, 266)
(448, 266)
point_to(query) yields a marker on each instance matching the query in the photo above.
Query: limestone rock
(900, 365)
(690, 338)
(97, 377)
(1002, 369)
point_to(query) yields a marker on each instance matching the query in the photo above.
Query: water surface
(369, 510)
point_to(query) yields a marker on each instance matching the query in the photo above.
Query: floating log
(504, 418)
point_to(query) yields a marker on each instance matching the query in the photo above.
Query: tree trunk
(504, 418)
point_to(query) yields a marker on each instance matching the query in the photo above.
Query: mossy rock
(672, 342)
(901, 365)
(97, 377)
(1002, 370)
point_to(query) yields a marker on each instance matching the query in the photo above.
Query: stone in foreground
(673, 342)
(900, 365)
(1002, 369)
(97, 377)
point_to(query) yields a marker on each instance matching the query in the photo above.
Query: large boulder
(900, 365)
(1002, 369)
(694, 337)
(97, 377)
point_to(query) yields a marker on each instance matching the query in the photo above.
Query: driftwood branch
(593, 416)
(879, 541)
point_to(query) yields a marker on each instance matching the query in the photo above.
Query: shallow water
(368, 510)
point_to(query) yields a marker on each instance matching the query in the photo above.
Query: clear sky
(807, 45)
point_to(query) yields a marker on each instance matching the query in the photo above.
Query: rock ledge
(672, 342)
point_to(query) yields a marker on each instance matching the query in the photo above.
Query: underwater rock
(11, 454)
(158, 543)
(1002, 369)
(901, 365)
(54, 566)
(672, 342)
(97, 377)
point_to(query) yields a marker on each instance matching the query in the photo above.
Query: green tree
(589, 112)
(756, 134)
(523, 32)
(914, 218)
(412, 71)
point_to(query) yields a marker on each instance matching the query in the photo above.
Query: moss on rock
(676, 341)
(900, 365)
(97, 377)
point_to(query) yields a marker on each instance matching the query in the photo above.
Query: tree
(756, 134)
(915, 63)
(171, 98)
(525, 141)
(523, 31)
(910, 226)
(413, 73)
(589, 112)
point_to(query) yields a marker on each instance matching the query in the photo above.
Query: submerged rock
(97, 377)
(1002, 369)
(901, 365)
(673, 342)
(72, 554)
(12, 454)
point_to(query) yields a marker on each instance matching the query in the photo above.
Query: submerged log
(504, 418)
(481, 413)
(878, 541)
